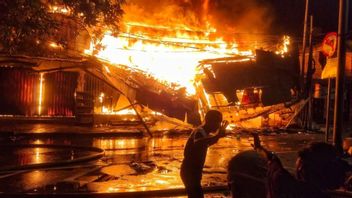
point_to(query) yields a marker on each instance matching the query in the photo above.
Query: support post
(310, 72)
(327, 115)
(140, 118)
(304, 45)
(339, 90)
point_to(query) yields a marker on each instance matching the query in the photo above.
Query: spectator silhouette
(247, 175)
(318, 169)
(196, 150)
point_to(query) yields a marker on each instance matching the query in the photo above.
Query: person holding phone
(318, 170)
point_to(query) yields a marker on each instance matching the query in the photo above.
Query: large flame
(171, 60)
(167, 39)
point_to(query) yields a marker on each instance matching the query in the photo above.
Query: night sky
(290, 15)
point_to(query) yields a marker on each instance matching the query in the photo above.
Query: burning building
(151, 69)
(86, 90)
(93, 91)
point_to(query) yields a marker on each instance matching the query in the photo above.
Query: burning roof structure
(88, 90)
(259, 83)
(275, 75)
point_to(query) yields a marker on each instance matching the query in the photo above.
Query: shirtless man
(196, 150)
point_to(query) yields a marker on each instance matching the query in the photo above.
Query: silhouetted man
(196, 150)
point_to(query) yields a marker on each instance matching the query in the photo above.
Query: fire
(59, 9)
(283, 48)
(55, 45)
(171, 60)
(167, 39)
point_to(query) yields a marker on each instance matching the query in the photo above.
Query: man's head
(347, 145)
(213, 119)
(319, 165)
(247, 171)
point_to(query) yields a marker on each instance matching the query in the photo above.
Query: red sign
(329, 45)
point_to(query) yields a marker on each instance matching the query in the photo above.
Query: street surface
(130, 163)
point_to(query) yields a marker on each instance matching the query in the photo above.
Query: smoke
(248, 15)
(242, 20)
(168, 13)
(251, 16)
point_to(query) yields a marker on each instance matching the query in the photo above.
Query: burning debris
(250, 84)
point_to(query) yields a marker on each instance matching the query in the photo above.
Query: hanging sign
(329, 44)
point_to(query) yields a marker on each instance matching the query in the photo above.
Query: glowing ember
(59, 9)
(126, 112)
(101, 97)
(231, 127)
(54, 45)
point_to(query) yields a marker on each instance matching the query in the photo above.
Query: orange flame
(171, 60)
(167, 44)
(283, 48)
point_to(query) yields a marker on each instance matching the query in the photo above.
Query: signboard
(329, 44)
(330, 69)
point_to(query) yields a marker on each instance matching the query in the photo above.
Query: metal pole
(341, 53)
(310, 75)
(304, 44)
(327, 117)
(140, 117)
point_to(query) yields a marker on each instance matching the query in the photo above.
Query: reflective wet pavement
(23, 156)
(131, 164)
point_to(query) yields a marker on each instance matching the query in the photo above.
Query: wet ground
(130, 164)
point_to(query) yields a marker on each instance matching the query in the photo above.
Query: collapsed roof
(275, 75)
